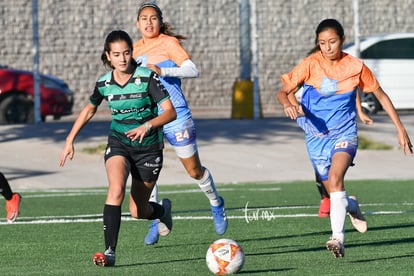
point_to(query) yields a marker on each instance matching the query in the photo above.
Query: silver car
(391, 58)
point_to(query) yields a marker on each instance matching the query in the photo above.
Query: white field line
(248, 216)
(248, 213)
(60, 193)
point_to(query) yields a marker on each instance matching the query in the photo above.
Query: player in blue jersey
(331, 79)
(135, 141)
(325, 203)
(160, 50)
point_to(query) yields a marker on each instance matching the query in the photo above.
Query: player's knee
(196, 173)
(115, 197)
(335, 181)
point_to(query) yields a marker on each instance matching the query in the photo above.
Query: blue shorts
(182, 131)
(321, 150)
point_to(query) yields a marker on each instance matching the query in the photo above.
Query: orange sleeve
(368, 82)
(297, 76)
(176, 51)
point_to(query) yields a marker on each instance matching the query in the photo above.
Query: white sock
(206, 184)
(154, 194)
(339, 204)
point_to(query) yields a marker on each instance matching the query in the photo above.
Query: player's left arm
(187, 69)
(185, 66)
(387, 105)
(369, 83)
(365, 118)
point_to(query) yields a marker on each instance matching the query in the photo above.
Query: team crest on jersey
(328, 86)
(138, 80)
(107, 82)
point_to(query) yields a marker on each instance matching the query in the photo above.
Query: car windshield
(350, 44)
(54, 84)
(347, 45)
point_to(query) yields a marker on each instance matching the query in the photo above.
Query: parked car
(391, 58)
(17, 96)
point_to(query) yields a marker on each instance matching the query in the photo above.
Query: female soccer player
(331, 79)
(160, 50)
(135, 141)
(325, 204)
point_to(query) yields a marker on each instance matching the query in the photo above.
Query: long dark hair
(323, 26)
(166, 27)
(112, 37)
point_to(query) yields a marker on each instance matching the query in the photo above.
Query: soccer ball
(225, 256)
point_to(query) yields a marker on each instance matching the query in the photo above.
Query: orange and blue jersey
(329, 93)
(329, 105)
(164, 51)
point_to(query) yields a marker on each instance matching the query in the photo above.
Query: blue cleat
(152, 236)
(220, 218)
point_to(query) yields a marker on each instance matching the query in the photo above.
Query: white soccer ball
(225, 256)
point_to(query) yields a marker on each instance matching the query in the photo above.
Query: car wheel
(16, 109)
(369, 103)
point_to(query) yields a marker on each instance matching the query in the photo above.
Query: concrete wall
(72, 33)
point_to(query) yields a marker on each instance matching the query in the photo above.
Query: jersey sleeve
(176, 51)
(96, 98)
(297, 76)
(368, 82)
(156, 89)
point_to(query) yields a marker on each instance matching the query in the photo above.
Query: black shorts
(145, 166)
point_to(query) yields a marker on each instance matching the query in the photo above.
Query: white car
(391, 58)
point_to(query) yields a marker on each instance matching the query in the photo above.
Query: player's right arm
(286, 97)
(83, 118)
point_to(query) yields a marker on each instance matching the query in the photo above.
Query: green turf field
(58, 231)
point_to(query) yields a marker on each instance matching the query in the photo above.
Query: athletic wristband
(147, 126)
